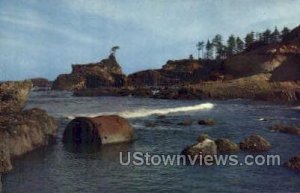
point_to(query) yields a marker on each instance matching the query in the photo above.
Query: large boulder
(294, 163)
(24, 131)
(98, 130)
(13, 95)
(106, 73)
(226, 146)
(201, 151)
(293, 130)
(255, 143)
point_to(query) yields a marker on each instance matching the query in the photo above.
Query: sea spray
(147, 112)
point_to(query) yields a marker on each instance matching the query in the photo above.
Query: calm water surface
(62, 169)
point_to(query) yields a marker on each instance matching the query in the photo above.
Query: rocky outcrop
(255, 143)
(294, 163)
(21, 131)
(41, 83)
(98, 130)
(177, 72)
(279, 59)
(293, 130)
(13, 96)
(106, 73)
(226, 146)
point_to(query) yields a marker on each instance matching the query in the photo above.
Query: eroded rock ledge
(21, 131)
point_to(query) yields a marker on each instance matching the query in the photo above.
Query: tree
(267, 36)
(239, 45)
(231, 46)
(200, 46)
(275, 36)
(249, 39)
(218, 44)
(284, 32)
(209, 50)
(114, 49)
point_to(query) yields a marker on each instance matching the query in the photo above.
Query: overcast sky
(42, 38)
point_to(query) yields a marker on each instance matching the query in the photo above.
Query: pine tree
(209, 50)
(200, 46)
(249, 39)
(231, 46)
(239, 45)
(218, 44)
(267, 36)
(284, 32)
(275, 36)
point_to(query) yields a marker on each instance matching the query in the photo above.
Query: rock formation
(98, 130)
(281, 60)
(294, 163)
(21, 131)
(255, 143)
(106, 73)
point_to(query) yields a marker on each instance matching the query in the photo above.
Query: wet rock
(208, 122)
(294, 163)
(98, 130)
(255, 143)
(13, 95)
(293, 130)
(226, 146)
(202, 137)
(201, 151)
(186, 122)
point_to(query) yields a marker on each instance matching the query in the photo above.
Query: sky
(43, 38)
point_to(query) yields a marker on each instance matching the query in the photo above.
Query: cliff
(106, 73)
(281, 60)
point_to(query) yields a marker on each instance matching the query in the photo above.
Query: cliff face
(107, 73)
(176, 72)
(281, 60)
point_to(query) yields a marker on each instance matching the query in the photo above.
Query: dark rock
(41, 83)
(255, 143)
(106, 73)
(293, 130)
(208, 122)
(13, 95)
(186, 122)
(294, 163)
(226, 146)
(98, 130)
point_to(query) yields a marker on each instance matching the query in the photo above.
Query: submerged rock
(13, 95)
(186, 122)
(255, 143)
(208, 122)
(293, 130)
(294, 163)
(226, 146)
(98, 130)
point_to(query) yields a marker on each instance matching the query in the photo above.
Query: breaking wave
(147, 112)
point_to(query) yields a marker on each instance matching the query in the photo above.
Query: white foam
(147, 112)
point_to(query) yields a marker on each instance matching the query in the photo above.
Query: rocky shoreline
(21, 131)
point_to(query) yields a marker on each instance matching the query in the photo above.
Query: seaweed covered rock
(293, 130)
(255, 143)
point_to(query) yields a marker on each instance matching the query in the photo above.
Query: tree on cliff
(218, 44)
(209, 50)
(239, 45)
(114, 49)
(275, 37)
(267, 36)
(249, 39)
(231, 46)
(200, 46)
(284, 32)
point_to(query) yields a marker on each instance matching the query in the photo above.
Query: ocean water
(62, 169)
